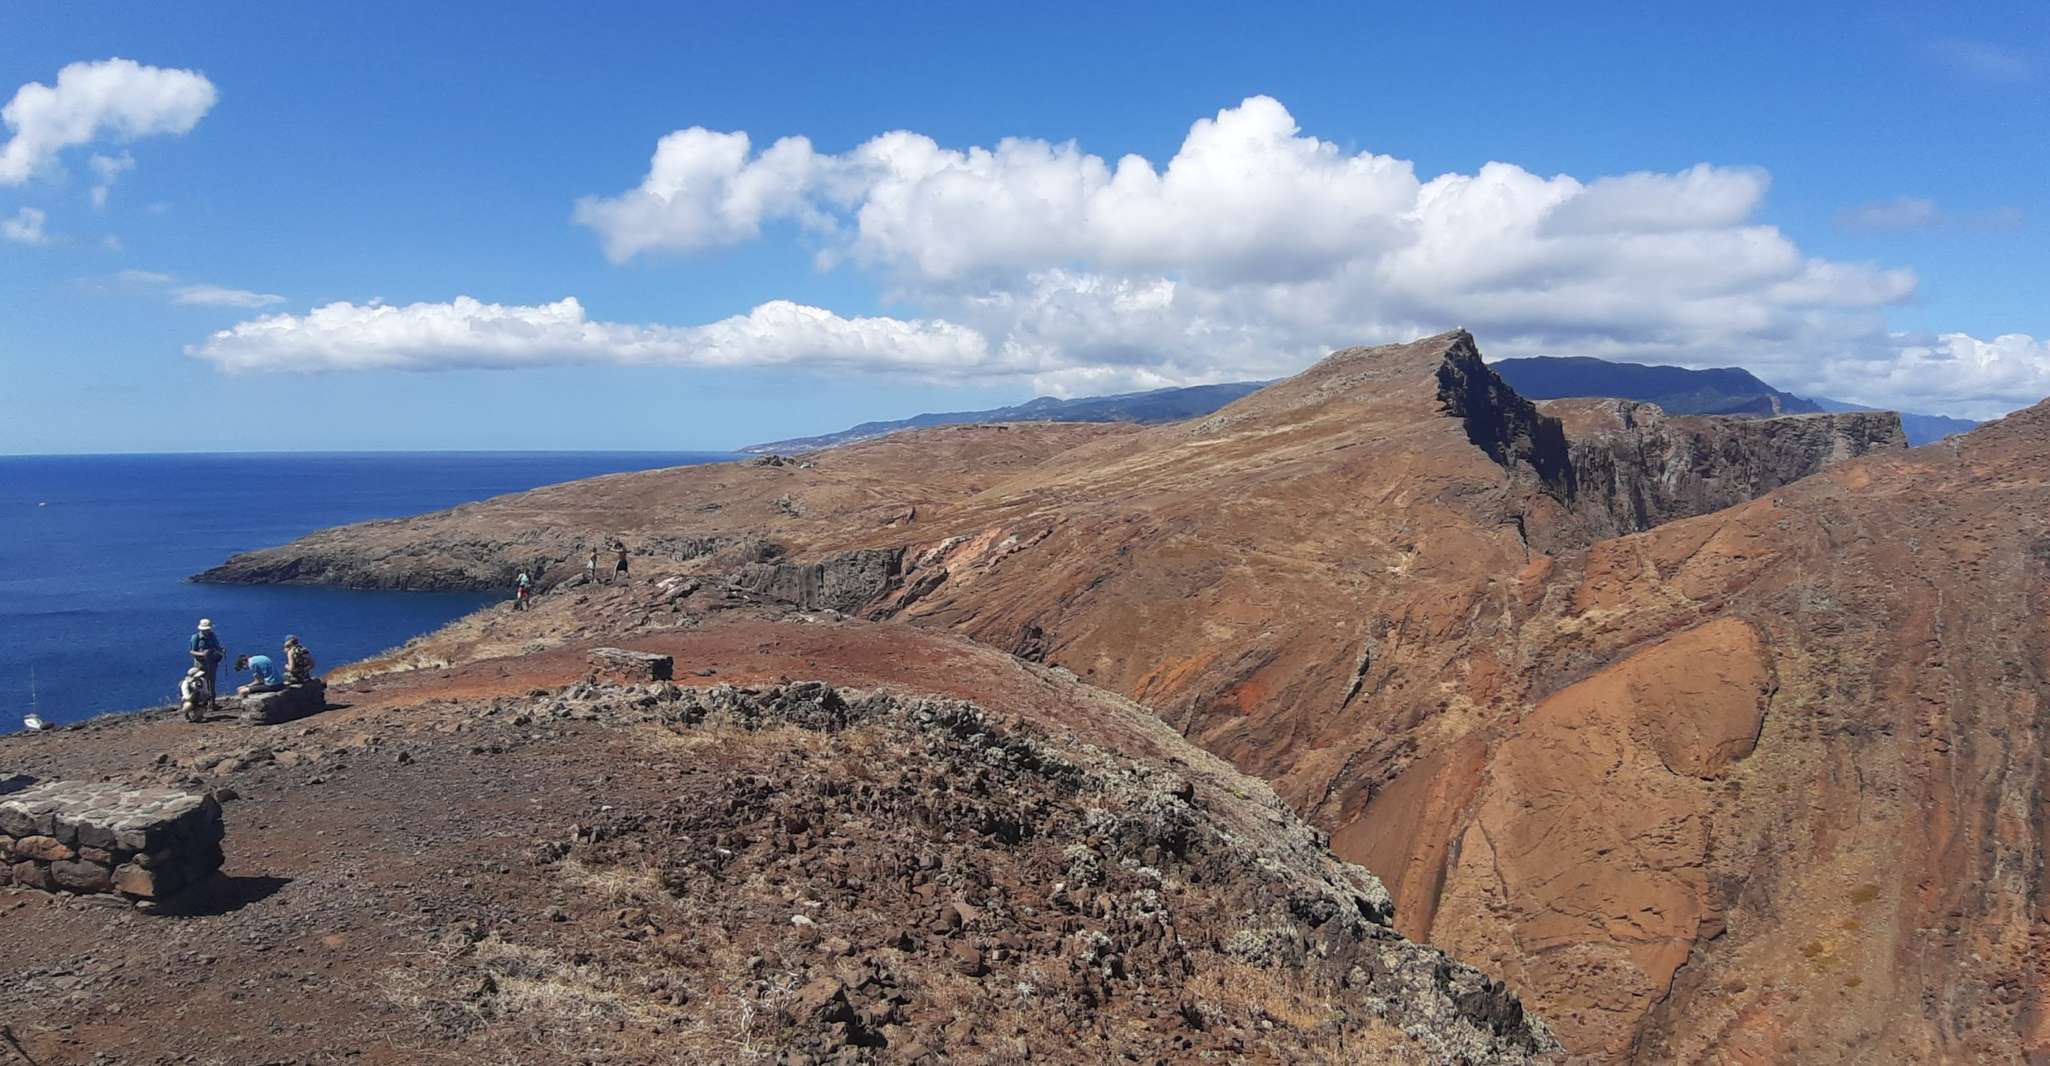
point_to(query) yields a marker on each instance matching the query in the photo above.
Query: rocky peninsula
(1707, 738)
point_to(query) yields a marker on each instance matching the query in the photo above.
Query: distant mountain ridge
(1157, 405)
(1724, 391)
(1677, 390)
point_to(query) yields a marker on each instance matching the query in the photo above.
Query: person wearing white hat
(207, 656)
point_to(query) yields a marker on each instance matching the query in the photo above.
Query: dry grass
(499, 992)
(1258, 998)
(615, 884)
(391, 662)
(734, 744)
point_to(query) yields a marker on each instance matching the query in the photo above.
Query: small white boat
(34, 720)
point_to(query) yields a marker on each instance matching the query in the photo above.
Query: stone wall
(88, 837)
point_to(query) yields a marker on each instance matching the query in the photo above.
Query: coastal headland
(1693, 736)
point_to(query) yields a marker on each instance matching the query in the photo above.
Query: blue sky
(277, 264)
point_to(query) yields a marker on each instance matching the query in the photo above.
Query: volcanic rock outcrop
(1635, 467)
(1758, 784)
(499, 862)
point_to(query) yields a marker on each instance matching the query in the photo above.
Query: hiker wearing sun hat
(207, 656)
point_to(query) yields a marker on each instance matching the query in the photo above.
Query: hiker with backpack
(298, 662)
(207, 656)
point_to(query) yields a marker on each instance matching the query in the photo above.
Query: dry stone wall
(101, 837)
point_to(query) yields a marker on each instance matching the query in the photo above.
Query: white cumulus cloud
(703, 189)
(1256, 247)
(26, 227)
(1954, 373)
(468, 333)
(110, 99)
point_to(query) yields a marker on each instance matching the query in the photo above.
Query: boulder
(632, 667)
(81, 876)
(41, 849)
(288, 704)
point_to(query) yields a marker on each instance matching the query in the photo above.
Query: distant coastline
(95, 596)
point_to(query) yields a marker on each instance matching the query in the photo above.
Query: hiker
(591, 567)
(520, 587)
(298, 662)
(195, 695)
(619, 568)
(207, 656)
(264, 675)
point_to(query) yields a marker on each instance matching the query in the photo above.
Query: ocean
(95, 552)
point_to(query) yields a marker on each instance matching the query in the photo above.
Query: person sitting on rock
(195, 695)
(298, 662)
(265, 676)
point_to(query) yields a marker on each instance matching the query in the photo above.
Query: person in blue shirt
(207, 655)
(266, 677)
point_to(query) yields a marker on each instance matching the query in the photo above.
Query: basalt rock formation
(1635, 467)
(1761, 783)
(1681, 391)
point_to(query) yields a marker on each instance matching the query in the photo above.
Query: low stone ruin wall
(97, 837)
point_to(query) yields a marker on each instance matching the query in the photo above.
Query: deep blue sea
(95, 552)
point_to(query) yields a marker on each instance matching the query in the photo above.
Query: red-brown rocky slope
(1774, 790)
(1724, 791)
(502, 862)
